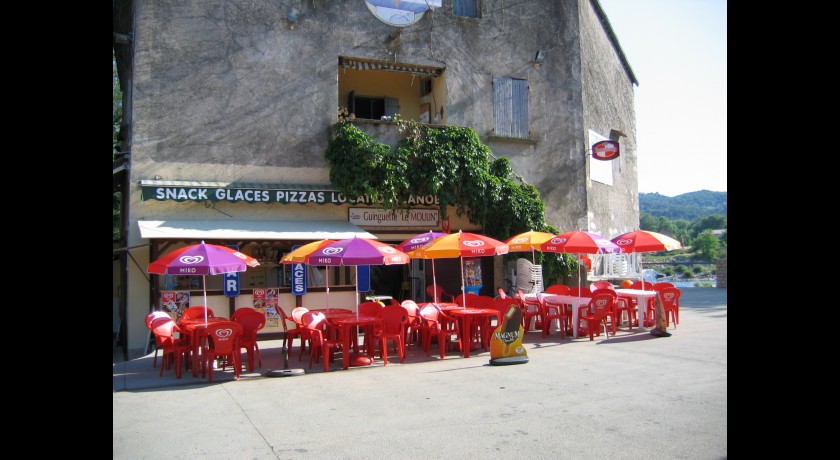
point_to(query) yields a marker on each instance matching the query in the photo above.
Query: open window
(371, 90)
(372, 107)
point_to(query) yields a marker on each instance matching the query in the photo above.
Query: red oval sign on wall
(605, 150)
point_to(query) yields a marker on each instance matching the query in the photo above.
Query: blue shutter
(519, 108)
(392, 106)
(501, 106)
(466, 8)
(510, 107)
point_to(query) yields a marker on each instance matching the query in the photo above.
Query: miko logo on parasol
(190, 260)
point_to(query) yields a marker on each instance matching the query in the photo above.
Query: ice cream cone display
(506, 343)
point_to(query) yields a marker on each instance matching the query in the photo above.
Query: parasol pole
(434, 281)
(641, 272)
(578, 270)
(204, 285)
(463, 289)
(357, 292)
(327, 269)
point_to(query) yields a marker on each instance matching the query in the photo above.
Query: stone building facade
(243, 95)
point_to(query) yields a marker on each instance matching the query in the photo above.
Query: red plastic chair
(241, 311)
(370, 308)
(196, 312)
(412, 327)
(614, 316)
(287, 333)
(300, 331)
(555, 310)
(174, 349)
(651, 307)
(596, 313)
(662, 284)
(623, 306)
(558, 289)
(394, 321)
(657, 287)
(252, 321)
(320, 345)
(441, 294)
(671, 303)
(149, 318)
(601, 285)
(582, 291)
(470, 298)
(531, 308)
(643, 285)
(223, 341)
(437, 324)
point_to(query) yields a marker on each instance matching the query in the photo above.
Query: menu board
(174, 303)
(265, 301)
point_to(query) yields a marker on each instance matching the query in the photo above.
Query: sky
(677, 50)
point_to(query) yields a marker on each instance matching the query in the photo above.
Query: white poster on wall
(599, 170)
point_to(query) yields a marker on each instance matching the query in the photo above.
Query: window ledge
(389, 122)
(518, 140)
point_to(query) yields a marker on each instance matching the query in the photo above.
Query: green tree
(450, 162)
(713, 222)
(648, 221)
(706, 245)
(665, 226)
(681, 232)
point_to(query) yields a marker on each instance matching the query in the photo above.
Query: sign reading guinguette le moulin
(377, 217)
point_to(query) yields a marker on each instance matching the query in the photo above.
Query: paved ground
(632, 396)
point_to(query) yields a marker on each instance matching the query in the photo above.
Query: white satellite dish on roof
(401, 13)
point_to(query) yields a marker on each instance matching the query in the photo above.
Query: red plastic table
(346, 323)
(466, 315)
(195, 328)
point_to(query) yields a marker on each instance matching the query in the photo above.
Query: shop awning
(250, 229)
(368, 64)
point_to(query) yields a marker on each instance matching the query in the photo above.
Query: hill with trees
(691, 218)
(688, 206)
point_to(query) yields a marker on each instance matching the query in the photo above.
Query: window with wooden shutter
(510, 107)
(465, 8)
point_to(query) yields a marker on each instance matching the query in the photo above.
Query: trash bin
(472, 289)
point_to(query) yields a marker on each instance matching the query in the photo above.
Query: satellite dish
(400, 13)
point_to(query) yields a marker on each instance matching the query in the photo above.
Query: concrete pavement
(631, 396)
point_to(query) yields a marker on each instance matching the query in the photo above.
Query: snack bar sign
(183, 193)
